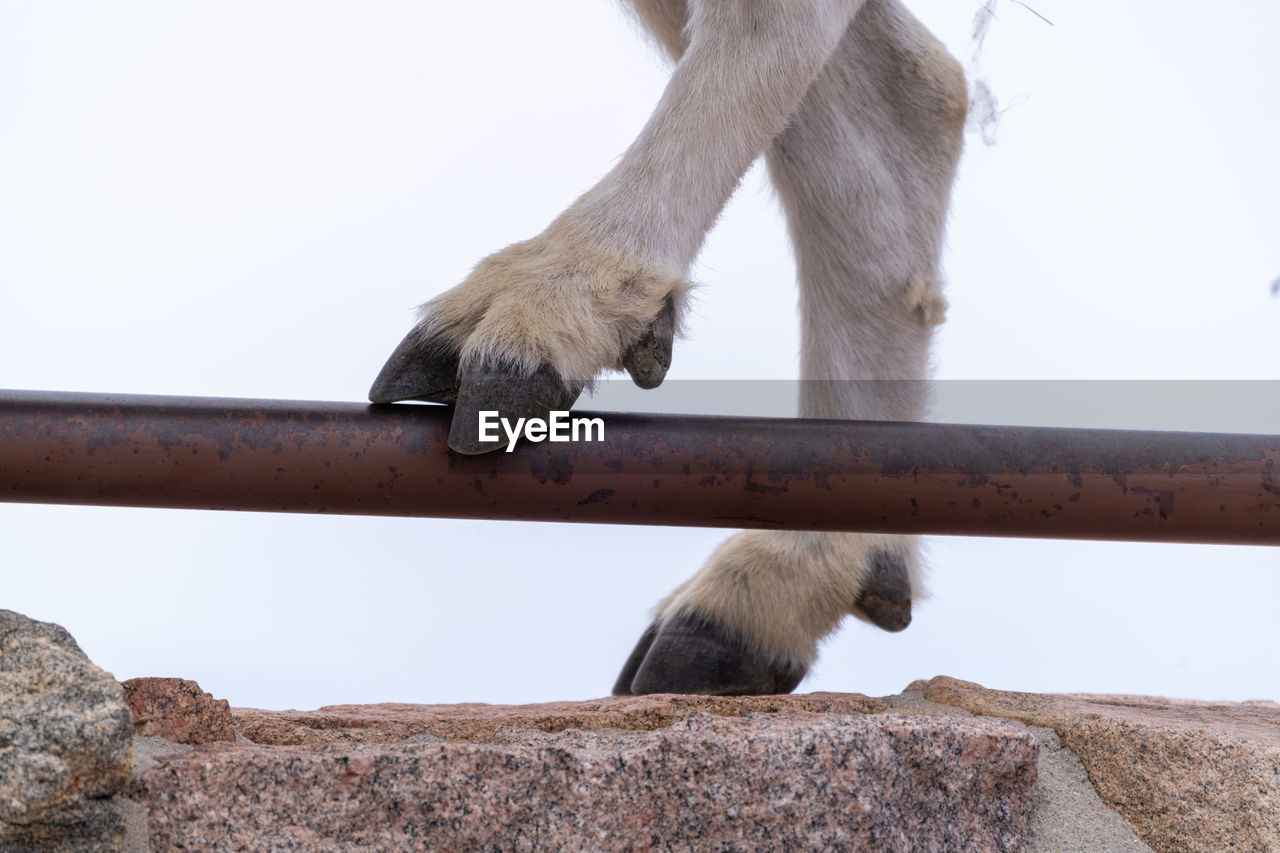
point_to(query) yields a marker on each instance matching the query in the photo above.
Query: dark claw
(689, 654)
(622, 687)
(500, 387)
(648, 359)
(886, 599)
(419, 369)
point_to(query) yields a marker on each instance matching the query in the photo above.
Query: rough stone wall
(64, 742)
(946, 765)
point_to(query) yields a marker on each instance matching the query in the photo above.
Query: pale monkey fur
(859, 112)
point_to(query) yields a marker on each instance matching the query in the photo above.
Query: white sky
(247, 199)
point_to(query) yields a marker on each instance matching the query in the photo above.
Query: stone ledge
(177, 710)
(1186, 775)
(785, 778)
(945, 765)
(476, 721)
(841, 771)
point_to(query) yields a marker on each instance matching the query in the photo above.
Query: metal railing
(286, 456)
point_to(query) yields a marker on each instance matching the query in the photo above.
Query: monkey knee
(942, 76)
(924, 299)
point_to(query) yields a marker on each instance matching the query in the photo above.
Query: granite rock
(477, 721)
(1186, 775)
(919, 771)
(177, 710)
(691, 773)
(65, 745)
(1067, 815)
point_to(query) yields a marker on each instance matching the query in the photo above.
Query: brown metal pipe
(284, 456)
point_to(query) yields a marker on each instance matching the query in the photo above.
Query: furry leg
(864, 171)
(536, 322)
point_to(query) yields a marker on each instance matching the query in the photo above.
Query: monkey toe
(885, 598)
(497, 386)
(692, 654)
(649, 358)
(622, 687)
(420, 368)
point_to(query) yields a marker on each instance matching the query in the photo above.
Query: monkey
(859, 112)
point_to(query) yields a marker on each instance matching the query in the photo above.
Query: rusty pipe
(287, 456)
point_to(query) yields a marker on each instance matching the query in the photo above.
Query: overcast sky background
(247, 200)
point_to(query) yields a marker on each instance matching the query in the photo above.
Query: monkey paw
(749, 623)
(531, 327)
